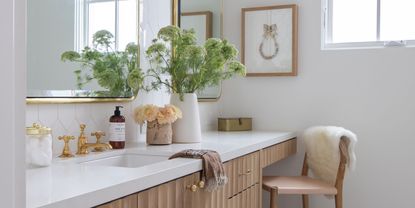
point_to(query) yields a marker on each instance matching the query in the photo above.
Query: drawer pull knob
(248, 172)
(201, 184)
(192, 188)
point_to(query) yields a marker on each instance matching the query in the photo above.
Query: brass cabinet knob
(201, 184)
(66, 152)
(249, 171)
(192, 188)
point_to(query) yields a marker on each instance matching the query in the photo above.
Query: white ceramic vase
(187, 129)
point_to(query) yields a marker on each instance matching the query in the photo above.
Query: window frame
(82, 23)
(327, 31)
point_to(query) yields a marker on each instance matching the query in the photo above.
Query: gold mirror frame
(175, 21)
(91, 99)
(77, 100)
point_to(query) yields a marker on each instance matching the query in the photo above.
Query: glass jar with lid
(38, 146)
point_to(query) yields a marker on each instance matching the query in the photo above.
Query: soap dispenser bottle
(117, 129)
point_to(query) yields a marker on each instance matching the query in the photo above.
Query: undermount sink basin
(127, 160)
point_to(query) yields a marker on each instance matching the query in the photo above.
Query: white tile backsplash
(64, 119)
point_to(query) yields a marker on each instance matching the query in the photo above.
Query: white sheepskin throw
(323, 153)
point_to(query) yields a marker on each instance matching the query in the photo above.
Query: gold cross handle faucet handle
(82, 126)
(98, 135)
(66, 152)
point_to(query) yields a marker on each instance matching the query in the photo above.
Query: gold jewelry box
(234, 124)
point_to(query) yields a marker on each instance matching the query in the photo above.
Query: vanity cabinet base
(242, 191)
(249, 198)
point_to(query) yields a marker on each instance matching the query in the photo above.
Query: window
(112, 15)
(368, 23)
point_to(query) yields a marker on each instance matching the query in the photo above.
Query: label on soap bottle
(117, 132)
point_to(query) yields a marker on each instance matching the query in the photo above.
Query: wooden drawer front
(278, 152)
(242, 173)
(201, 198)
(250, 198)
(173, 194)
(160, 196)
(214, 199)
(126, 202)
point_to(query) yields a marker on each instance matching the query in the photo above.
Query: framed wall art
(269, 40)
(201, 22)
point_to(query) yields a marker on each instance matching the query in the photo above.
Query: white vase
(187, 129)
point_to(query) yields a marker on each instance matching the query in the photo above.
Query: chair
(305, 185)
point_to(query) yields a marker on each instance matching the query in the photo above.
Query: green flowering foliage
(70, 56)
(131, 49)
(135, 79)
(169, 33)
(194, 56)
(102, 38)
(107, 79)
(191, 67)
(229, 51)
(116, 71)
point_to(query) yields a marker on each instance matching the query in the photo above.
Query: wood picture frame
(209, 21)
(279, 36)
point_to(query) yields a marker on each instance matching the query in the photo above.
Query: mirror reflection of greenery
(191, 67)
(102, 94)
(116, 71)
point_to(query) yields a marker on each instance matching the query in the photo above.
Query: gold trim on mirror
(209, 100)
(77, 100)
(175, 12)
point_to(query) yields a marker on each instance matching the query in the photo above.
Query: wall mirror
(206, 18)
(72, 44)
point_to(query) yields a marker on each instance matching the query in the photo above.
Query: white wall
(12, 85)
(368, 91)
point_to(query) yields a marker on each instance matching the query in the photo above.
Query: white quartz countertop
(66, 183)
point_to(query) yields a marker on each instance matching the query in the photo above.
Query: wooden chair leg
(305, 201)
(273, 196)
(339, 201)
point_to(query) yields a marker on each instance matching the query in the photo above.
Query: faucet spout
(84, 148)
(83, 144)
(82, 140)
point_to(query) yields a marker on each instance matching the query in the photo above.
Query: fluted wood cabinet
(126, 202)
(275, 153)
(243, 189)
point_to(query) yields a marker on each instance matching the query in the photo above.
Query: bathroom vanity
(142, 176)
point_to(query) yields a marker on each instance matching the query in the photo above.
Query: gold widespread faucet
(83, 144)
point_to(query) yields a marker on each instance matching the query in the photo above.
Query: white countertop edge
(127, 188)
(185, 167)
